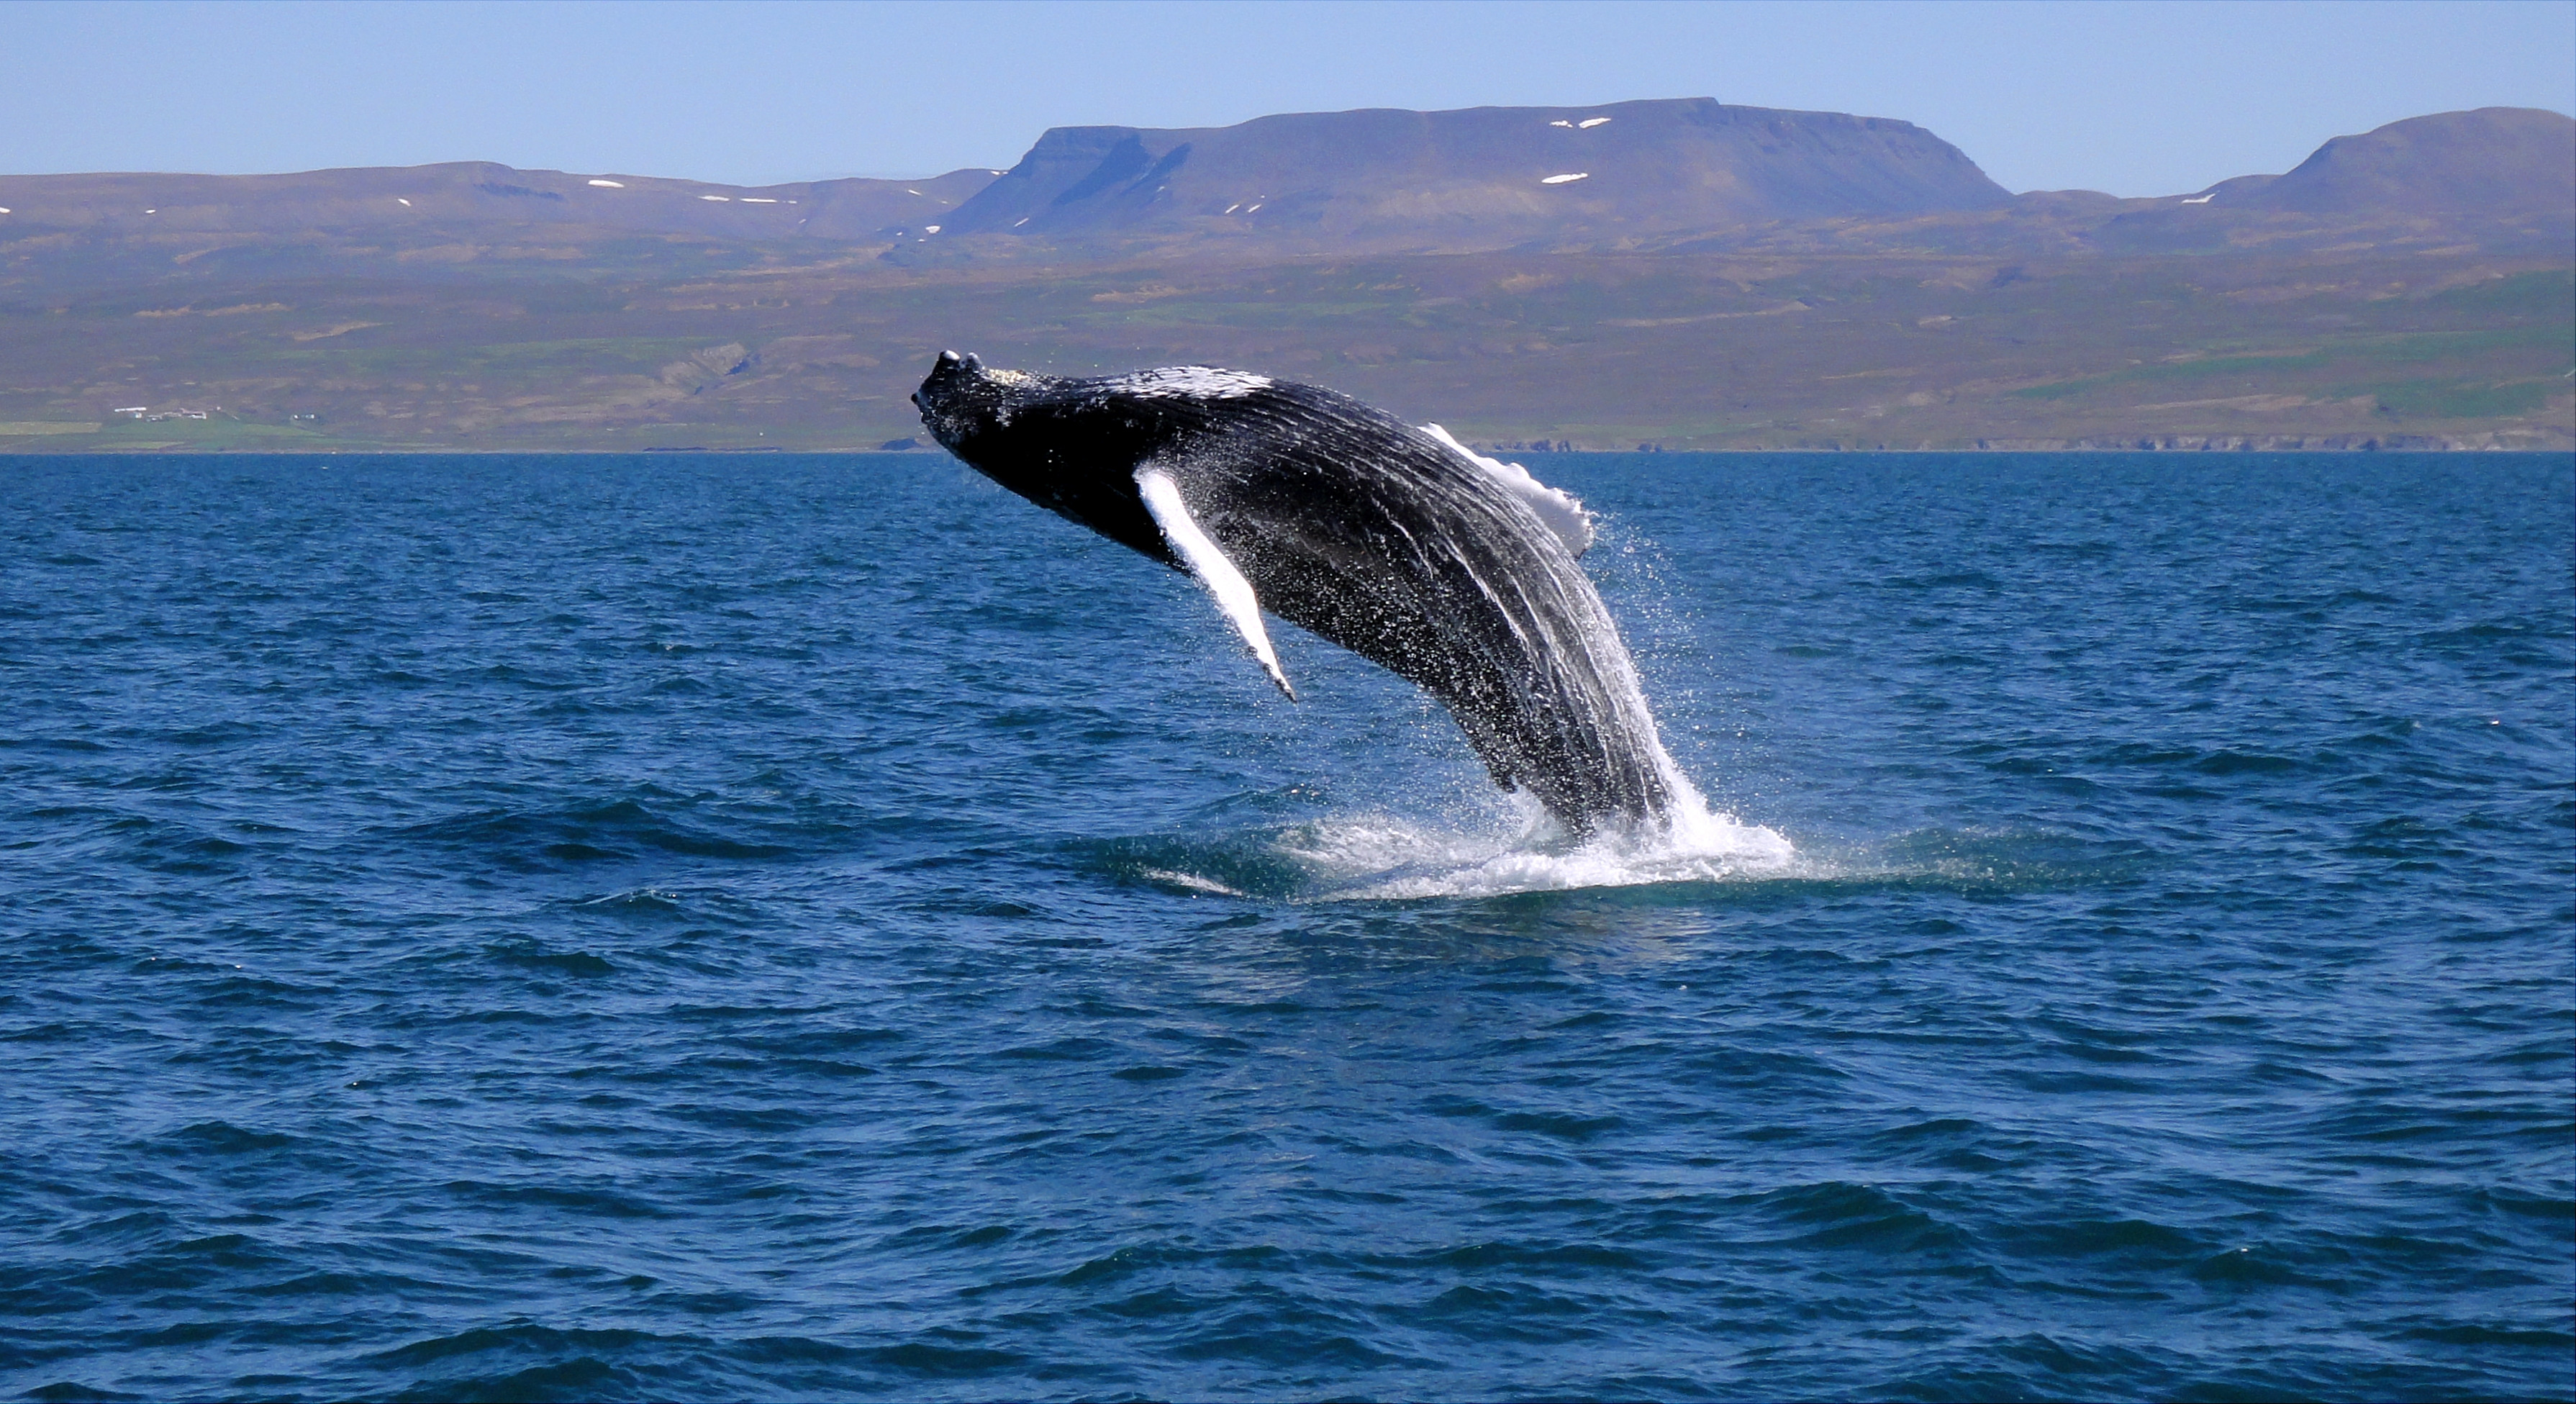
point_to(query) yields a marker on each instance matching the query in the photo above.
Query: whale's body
(1454, 572)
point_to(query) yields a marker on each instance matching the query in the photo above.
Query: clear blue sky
(2134, 98)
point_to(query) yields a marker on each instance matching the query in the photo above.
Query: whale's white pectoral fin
(1207, 562)
(1560, 512)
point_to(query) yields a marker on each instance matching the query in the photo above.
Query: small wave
(1985, 860)
(1843, 1214)
(221, 1138)
(617, 831)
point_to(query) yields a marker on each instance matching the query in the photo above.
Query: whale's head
(963, 401)
(1070, 446)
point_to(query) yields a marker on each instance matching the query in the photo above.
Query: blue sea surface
(779, 927)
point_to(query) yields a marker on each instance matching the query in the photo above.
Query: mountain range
(1684, 272)
(1484, 178)
(1478, 178)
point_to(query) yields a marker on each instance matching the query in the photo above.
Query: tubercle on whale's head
(962, 398)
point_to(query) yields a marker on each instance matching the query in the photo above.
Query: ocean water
(781, 927)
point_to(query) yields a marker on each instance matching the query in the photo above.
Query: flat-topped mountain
(1482, 176)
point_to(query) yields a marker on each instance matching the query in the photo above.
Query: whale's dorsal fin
(1559, 511)
(1233, 593)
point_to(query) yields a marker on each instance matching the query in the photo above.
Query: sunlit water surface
(653, 927)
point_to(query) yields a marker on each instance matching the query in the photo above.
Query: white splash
(1560, 122)
(759, 200)
(1382, 857)
(1175, 381)
(1589, 123)
(1677, 839)
(2201, 199)
(720, 199)
(1561, 512)
(1213, 567)
(607, 184)
(1562, 179)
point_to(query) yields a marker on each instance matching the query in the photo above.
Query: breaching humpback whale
(1453, 571)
